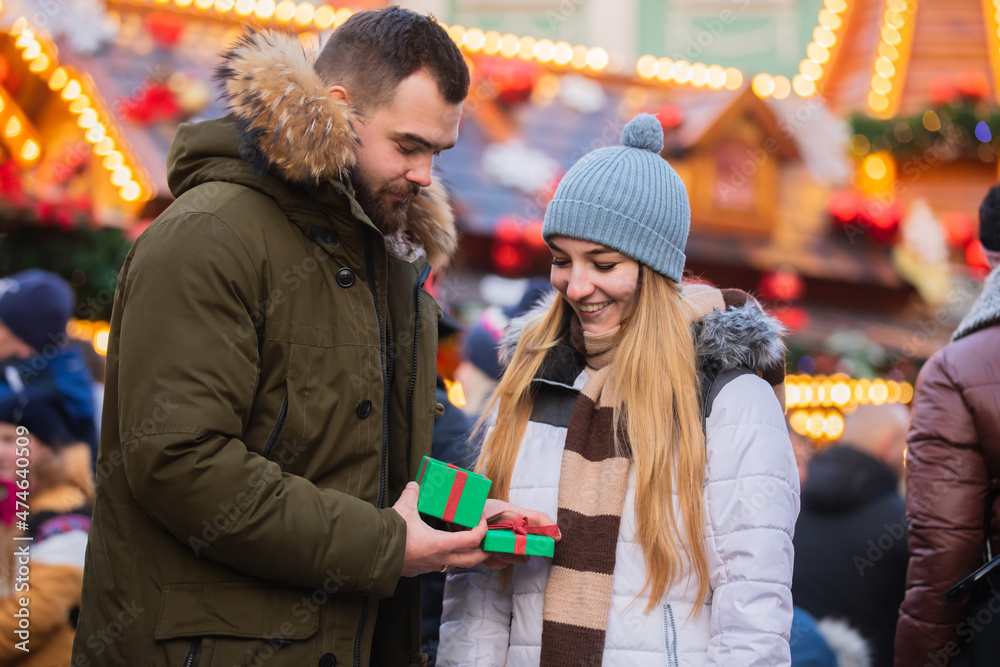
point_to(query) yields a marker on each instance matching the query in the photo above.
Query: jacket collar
(986, 311)
(289, 126)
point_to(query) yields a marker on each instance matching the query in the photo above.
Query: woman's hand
(498, 510)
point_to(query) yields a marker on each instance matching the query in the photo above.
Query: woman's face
(599, 283)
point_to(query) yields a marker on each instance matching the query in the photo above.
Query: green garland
(88, 258)
(904, 136)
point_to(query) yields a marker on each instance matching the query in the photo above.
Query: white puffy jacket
(751, 499)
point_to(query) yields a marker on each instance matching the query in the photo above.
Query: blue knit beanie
(36, 305)
(627, 198)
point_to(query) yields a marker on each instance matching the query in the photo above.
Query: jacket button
(345, 277)
(364, 408)
(328, 660)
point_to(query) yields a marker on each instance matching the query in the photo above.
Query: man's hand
(498, 510)
(429, 550)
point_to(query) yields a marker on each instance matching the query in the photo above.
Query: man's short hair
(989, 220)
(375, 50)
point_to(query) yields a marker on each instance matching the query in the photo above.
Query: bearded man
(271, 367)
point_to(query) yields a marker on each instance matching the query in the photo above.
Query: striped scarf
(592, 487)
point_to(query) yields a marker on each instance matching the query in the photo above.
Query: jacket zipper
(409, 395)
(192, 652)
(670, 634)
(413, 378)
(276, 431)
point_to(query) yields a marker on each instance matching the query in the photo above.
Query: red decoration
(155, 102)
(975, 257)
(509, 259)
(973, 83)
(845, 205)
(4, 69)
(512, 79)
(670, 116)
(881, 220)
(166, 28)
(781, 285)
(942, 91)
(959, 228)
(796, 319)
(533, 235)
(873, 216)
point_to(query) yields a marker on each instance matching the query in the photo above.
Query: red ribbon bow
(521, 530)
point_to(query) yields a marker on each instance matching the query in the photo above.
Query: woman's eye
(605, 267)
(559, 262)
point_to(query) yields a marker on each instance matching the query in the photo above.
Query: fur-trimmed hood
(730, 328)
(985, 311)
(289, 128)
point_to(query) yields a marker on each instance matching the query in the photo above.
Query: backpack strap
(718, 382)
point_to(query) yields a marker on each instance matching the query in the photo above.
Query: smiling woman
(603, 418)
(598, 283)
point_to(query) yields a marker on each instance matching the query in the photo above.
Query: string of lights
(17, 134)
(305, 16)
(93, 119)
(893, 49)
(817, 404)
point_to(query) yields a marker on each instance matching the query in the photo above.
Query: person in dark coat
(850, 538)
(954, 459)
(36, 351)
(450, 443)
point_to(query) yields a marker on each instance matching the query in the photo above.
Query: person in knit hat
(35, 306)
(480, 370)
(640, 412)
(36, 352)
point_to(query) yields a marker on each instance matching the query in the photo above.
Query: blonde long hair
(656, 381)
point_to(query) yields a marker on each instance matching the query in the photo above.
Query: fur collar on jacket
(986, 311)
(737, 337)
(291, 127)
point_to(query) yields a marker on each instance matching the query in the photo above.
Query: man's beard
(386, 212)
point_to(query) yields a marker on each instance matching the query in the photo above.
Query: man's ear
(340, 94)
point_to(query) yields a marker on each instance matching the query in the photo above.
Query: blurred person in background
(98, 369)
(449, 443)
(850, 539)
(59, 497)
(953, 460)
(480, 369)
(36, 351)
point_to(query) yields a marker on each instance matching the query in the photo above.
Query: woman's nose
(579, 286)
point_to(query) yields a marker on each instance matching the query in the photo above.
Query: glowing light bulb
(30, 150)
(763, 85)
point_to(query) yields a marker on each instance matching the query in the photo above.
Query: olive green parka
(270, 391)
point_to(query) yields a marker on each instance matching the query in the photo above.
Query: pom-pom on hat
(627, 198)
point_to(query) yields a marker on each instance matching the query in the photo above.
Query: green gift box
(517, 537)
(450, 493)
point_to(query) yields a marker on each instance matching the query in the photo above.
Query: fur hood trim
(985, 311)
(740, 336)
(289, 125)
(734, 337)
